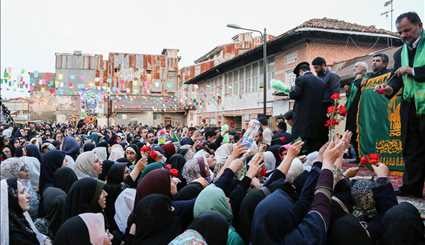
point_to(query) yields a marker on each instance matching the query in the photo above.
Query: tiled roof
(333, 24)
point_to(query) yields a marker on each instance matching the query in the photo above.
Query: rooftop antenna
(389, 12)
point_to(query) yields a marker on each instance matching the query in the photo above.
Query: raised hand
(238, 150)
(295, 149)
(381, 170)
(236, 165)
(351, 172)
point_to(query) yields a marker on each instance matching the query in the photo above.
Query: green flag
(378, 124)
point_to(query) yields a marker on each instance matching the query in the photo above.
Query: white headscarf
(269, 161)
(101, 153)
(11, 167)
(4, 216)
(84, 165)
(70, 163)
(33, 165)
(117, 152)
(123, 207)
(95, 224)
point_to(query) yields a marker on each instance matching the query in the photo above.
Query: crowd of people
(137, 184)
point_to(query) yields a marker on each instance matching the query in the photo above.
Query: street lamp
(264, 37)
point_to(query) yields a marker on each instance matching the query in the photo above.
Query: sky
(32, 31)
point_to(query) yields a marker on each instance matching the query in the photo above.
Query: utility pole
(389, 12)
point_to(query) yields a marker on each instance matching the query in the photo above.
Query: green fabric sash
(413, 89)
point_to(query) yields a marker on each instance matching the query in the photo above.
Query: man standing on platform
(309, 111)
(409, 74)
(331, 79)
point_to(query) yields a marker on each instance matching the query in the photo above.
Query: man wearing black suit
(409, 75)
(309, 111)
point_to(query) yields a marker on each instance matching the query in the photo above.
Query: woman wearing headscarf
(86, 195)
(114, 186)
(17, 168)
(33, 165)
(132, 154)
(106, 165)
(71, 147)
(403, 225)
(101, 153)
(213, 199)
(64, 177)
(155, 221)
(83, 229)
(54, 206)
(177, 161)
(51, 162)
(364, 201)
(17, 227)
(88, 165)
(194, 169)
(124, 205)
(88, 146)
(117, 152)
(212, 226)
(32, 150)
(169, 149)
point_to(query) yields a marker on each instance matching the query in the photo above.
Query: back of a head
(212, 226)
(403, 225)
(289, 115)
(348, 230)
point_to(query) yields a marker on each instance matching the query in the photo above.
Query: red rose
(373, 158)
(331, 122)
(174, 172)
(168, 166)
(331, 109)
(145, 148)
(364, 160)
(335, 96)
(153, 155)
(342, 110)
(263, 171)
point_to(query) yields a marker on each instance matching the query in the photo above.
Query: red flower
(342, 110)
(168, 166)
(373, 158)
(174, 172)
(145, 148)
(364, 160)
(263, 171)
(331, 123)
(335, 96)
(153, 155)
(331, 109)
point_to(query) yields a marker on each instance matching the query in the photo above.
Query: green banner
(378, 124)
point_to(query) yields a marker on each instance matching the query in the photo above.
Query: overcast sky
(32, 31)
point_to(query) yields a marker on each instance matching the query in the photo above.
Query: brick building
(231, 91)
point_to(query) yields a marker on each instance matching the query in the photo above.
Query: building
(19, 109)
(232, 92)
(42, 96)
(79, 85)
(144, 88)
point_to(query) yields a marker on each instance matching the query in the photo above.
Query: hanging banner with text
(378, 123)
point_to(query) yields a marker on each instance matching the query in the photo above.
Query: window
(254, 77)
(248, 78)
(227, 88)
(289, 78)
(241, 81)
(270, 71)
(235, 83)
(291, 58)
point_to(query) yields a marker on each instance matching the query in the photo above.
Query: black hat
(298, 67)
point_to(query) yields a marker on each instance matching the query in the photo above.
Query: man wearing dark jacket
(409, 74)
(331, 79)
(309, 111)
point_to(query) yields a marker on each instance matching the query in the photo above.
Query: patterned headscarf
(364, 203)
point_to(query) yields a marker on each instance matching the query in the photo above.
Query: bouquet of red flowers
(335, 113)
(369, 159)
(173, 171)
